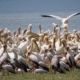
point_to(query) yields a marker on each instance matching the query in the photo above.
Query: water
(13, 20)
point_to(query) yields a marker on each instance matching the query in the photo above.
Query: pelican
(55, 63)
(54, 26)
(23, 47)
(63, 20)
(43, 66)
(70, 58)
(8, 68)
(23, 63)
(77, 57)
(1, 51)
(63, 66)
(19, 30)
(5, 55)
(36, 60)
(18, 60)
(30, 27)
(33, 35)
(39, 71)
(33, 58)
(61, 48)
(39, 28)
(36, 47)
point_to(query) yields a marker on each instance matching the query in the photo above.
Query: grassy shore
(74, 75)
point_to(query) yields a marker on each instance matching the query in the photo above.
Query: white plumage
(63, 20)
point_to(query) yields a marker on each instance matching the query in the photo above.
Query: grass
(74, 75)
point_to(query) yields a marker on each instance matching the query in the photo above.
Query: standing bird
(70, 59)
(63, 20)
(4, 56)
(55, 63)
(8, 68)
(23, 63)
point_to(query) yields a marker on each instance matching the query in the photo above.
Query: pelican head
(1, 31)
(19, 29)
(33, 40)
(30, 27)
(39, 27)
(64, 42)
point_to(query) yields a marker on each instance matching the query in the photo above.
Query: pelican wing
(52, 16)
(74, 14)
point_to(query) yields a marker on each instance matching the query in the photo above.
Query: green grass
(74, 75)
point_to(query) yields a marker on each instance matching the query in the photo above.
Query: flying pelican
(63, 20)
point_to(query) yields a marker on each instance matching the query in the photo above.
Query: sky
(11, 6)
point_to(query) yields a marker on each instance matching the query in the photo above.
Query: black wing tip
(78, 13)
(46, 16)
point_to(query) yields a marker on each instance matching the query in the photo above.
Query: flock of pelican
(42, 52)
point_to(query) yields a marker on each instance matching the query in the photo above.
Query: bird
(39, 71)
(8, 68)
(63, 20)
(70, 58)
(23, 63)
(63, 66)
(4, 56)
(43, 66)
(54, 63)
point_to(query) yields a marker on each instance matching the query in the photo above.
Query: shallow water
(13, 20)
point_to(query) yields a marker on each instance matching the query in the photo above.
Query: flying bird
(63, 20)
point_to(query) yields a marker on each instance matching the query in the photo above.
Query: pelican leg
(3, 73)
(50, 69)
(7, 72)
(54, 70)
(72, 68)
(32, 69)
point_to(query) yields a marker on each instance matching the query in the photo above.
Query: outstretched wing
(52, 16)
(73, 15)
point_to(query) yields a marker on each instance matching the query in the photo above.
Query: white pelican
(30, 27)
(63, 20)
(23, 63)
(5, 55)
(1, 51)
(43, 66)
(36, 60)
(55, 63)
(77, 57)
(23, 47)
(63, 66)
(36, 47)
(19, 30)
(70, 58)
(33, 58)
(39, 71)
(8, 68)
(39, 28)
(79, 47)
(60, 48)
